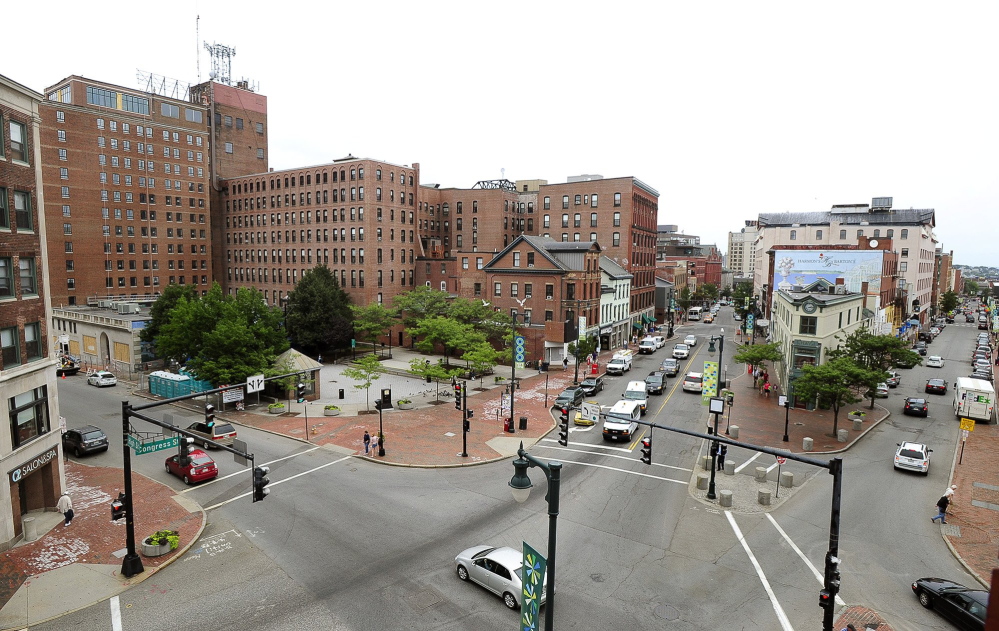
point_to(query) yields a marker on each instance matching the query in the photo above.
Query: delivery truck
(974, 399)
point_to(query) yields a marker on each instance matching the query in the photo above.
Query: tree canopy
(372, 321)
(833, 384)
(319, 317)
(448, 333)
(949, 301)
(756, 354)
(971, 288)
(164, 305)
(421, 303)
(365, 371)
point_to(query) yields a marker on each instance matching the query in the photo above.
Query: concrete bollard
(806, 444)
(729, 467)
(842, 435)
(29, 528)
(858, 425)
(763, 496)
(733, 432)
(725, 498)
(702, 481)
(706, 463)
(761, 474)
(786, 479)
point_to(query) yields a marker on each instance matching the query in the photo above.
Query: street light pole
(787, 415)
(520, 486)
(575, 374)
(716, 403)
(669, 331)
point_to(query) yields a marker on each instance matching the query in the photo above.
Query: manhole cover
(667, 612)
(426, 599)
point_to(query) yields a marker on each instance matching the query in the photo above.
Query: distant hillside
(977, 271)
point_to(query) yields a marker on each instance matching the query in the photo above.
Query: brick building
(30, 452)
(126, 178)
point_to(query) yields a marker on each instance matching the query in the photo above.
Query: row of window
(357, 173)
(258, 127)
(581, 200)
(322, 256)
(21, 201)
(147, 281)
(577, 220)
(26, 274)
(14, 352)
(281, 275)
(305, 199)
(305, 217)
(29, 411)
(889, 234)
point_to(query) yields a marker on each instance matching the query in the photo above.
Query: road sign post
(780, 460)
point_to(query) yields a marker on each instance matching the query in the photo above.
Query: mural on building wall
(801, 267)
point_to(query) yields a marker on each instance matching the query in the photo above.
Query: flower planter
(331, 412)
(404, 406)
(154, 550)
(279, 410)
(854, 416)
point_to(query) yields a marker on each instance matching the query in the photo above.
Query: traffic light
(647, 450)
(457, 396)
(185, 449)
(300, 390)
(118, 507)
(260, 482)
(466, 425)
(563, 427)
(563, 416)
(209, 415)
(825, 599)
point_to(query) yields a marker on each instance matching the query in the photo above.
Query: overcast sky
(728, 109)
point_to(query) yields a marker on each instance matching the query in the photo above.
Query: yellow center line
(680, 375)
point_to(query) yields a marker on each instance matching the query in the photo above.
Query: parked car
(949, 319)
(690, 340)
(655, 383)
(881, 391)
(220, 432)
(983, 363)
(84, 440)
(198, 468)
(960, 605)
(681, 351)
(570, 397)
(920, 348)
(737, 317)
(592, 385)
(969, 318)
(894, 378)
(936, 386)
(915, 407)
(498, 570)
(934, 361)
(692, 382)
(101, 378)
(670, 366)
(708, 318)
(912, 456)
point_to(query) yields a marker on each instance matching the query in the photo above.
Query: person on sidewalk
(374, 445)
(766, 389)
(722, 452)
(65, 507)
(565, 364)
(367, 441)
(942, 504)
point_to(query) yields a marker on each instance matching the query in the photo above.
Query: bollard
(702, 481)
(706, 463)
(842, 435)
(725, 498)
(30, 528)
(858, 425)
(729, 467)
(806, 444)
(763, 496)
(786, 479)
(341, 394)
(761, 474)
(733, 432)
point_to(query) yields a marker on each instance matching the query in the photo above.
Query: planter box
(276, 410)
(331, 412)
(404, 406)
(153, 550)
(856, 417)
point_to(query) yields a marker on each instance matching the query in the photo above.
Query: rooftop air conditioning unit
(127, 307)
(104, 304)
(841, 290)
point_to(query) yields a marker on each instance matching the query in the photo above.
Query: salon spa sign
(33, 465)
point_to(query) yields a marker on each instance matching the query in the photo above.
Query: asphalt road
(346, 544)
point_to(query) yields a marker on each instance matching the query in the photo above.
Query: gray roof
(613, 269)
(911, 216)
(546, 246)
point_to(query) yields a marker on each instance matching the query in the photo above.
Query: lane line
(785, 624)
(629, 459)
(232, 475)
(115, 614)
(801, 555)
(297, 475)
(748, 462)
(644, 475)
(554, 440)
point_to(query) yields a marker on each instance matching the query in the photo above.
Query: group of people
(943, 504)
(762, 380)
(370, 443)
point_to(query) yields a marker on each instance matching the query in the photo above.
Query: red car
(201, 467)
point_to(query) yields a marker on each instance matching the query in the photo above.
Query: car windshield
(936, 382)
(95, 435)
(680, 347)
(589, 382)
(224, 428)
(917, 401)
(910, 453)
(200, 460)
(635, 394)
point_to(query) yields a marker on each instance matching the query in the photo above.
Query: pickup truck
(619, 365)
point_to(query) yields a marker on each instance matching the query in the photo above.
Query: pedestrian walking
(367, 441)
(942, 505)
(766, 376)
(849, 627)
(65, 506)
(565, 364)
(722, 452)
(374, 445)
(766, 389)
(949, 493)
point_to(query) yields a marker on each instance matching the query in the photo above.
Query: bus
(694, 313)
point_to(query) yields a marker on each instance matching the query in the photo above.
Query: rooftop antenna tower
(197, 51)
(221, 62)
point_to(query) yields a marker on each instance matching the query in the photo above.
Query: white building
(741, 260)
(615, 304)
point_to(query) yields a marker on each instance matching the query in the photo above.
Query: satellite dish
(874, 243)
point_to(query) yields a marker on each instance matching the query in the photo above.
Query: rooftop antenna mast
(197, 51)
(221, 62)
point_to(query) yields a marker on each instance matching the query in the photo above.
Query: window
(565, 220)
(794, 235)
(6, 278)
(228, 147)
(905, 233)
(903, 266)
(860, 233)
(565, 201)
(809, 325)
(547, 221)
(4, 209)
(167, 109)
(877, 234)
(530, 259)
(616, 240)
(842, 234)
(593, 220)
(818, 234)
(516, 259)
(617, 219)
(549, 291)
(26, 268)
(18, 142)
(576, 220)
(22, 211)
(891, 233)
(259, 127)
(905, 251)
(464, 262)
(548, 203)
(11, 344)
(32, 341)
(28, 415)
(617, 199)
(514, 290)
(497, 289)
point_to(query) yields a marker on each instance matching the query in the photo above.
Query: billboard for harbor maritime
(802, 267)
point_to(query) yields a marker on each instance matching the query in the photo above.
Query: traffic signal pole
(464, 420)
(132, 563)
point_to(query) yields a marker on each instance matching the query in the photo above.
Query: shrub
(331, 407)
(275, 406)
(163, 537)
(404, 401)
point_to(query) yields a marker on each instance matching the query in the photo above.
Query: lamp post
(575, 355)
(720, 338)
(669, 330)
(520, 486)
(786, 402)
(716, 405)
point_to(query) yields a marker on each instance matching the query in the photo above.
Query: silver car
(690, 340)
(497, 569)
(101, 378)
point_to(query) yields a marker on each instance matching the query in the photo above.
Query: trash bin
(544, 366)
(523, 423)
(341, 393)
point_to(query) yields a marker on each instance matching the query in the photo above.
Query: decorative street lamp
(716, 405)
(520, 485)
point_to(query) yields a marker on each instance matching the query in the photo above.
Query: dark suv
(570, 397)
(84, 440)
(592, 385)
(655, 383)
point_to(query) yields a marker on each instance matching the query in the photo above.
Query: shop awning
(637, 326)
(647, 320)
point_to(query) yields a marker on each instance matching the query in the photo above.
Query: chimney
(863, 290)
(840, 280)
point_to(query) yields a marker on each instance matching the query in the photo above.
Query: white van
(620, 422)
(660, 341)
(620, 363)
(647, 346)
(638, 391)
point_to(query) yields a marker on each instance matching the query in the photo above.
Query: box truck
(974, 399)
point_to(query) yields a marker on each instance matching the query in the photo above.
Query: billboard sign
(804, 267)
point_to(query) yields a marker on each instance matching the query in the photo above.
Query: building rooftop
(911, 216)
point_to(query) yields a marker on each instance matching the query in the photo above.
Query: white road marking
(746, 464)
(231, 475)
(785, 624)
(115, 614)
(629, 458)
(553, 440)
(801, 555)
(644, 475)
(297, 475)
(772, 467)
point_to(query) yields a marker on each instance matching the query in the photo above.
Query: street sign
(519, 351)
(968, 424)
(781, 459)
(149, 446)
(241, 446)
(232, 395)
(255, 383)
(591, 412)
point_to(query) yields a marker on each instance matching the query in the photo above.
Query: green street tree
(481, 358)
(224, 338)
(319, 316)
(420, 304)
(436, 371)
(739, 295)
(949, 301)
(495, 325)
(757, 354)
(161, 309)
(586, 347)
(447, 333)
(971, 288)
(372, 321)
(876, 353)
(365, 371)
(710, 291)
(685, 298)
(833, 384)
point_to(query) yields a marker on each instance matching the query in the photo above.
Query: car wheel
(167, 467)
(78, 452)
(509, 600)
(462, 573)
(925, 600)
(186, 480)
(205, 444)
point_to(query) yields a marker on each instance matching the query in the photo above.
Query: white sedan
(500, 570)
(690, 340)
(101, 378)
(934, 361)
